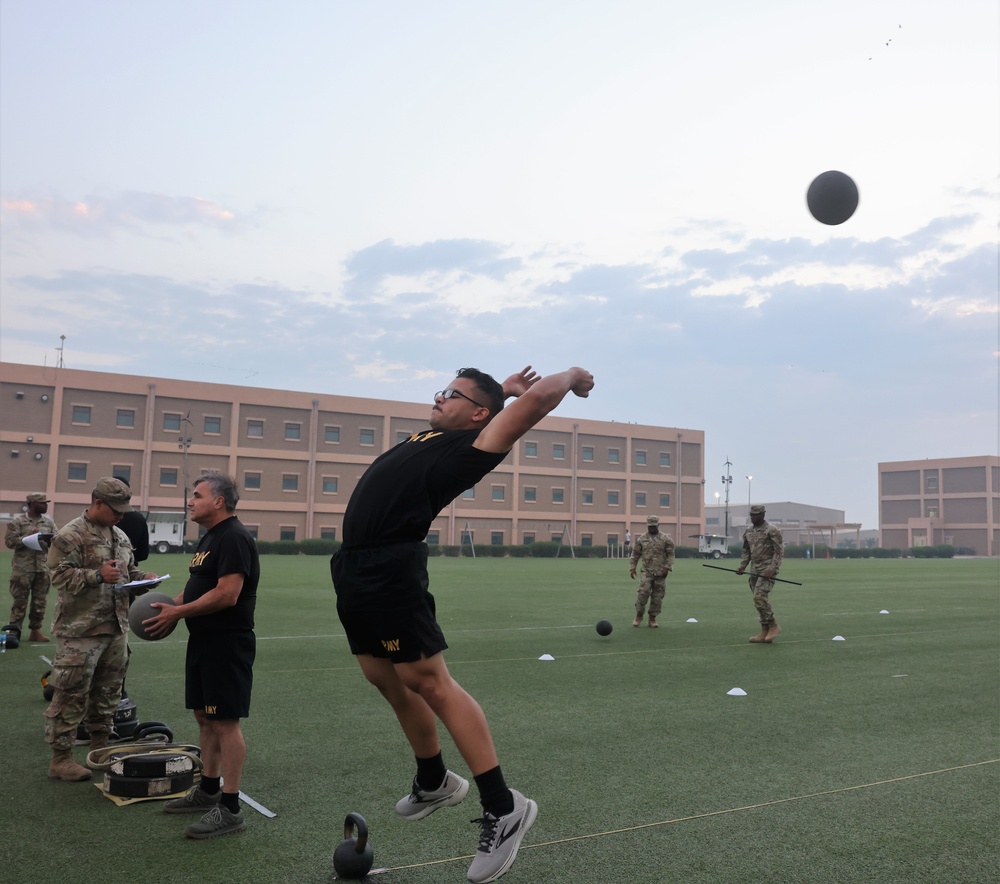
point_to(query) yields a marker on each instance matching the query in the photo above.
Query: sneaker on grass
(419, 803)
(499, 839)
(218, 821)
(196, 801)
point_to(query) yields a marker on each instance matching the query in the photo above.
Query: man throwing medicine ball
(380, 575)
(218, 607)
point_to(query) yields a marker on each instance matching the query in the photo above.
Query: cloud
(133, 211)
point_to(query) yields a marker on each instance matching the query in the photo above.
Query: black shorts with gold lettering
(219, 673)
(384, 603)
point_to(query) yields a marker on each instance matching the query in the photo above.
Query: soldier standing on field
(657, 553)
(763, 550)
(29, 572)
(91, 560)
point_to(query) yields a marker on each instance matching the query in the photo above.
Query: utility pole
(727, 480)
(184, 443)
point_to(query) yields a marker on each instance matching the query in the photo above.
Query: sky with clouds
(361, 198)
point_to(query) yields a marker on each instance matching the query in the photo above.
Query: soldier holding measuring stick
(764, 549)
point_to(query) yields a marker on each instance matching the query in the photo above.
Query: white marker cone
(691, 620)
(737, 692)
(838, 638)
(883, 611)
(546, 657)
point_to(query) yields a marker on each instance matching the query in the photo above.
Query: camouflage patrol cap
(115, 493)
(37, 497)
(757, 509)
(652, 520)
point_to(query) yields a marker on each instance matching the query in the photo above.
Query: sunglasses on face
(451, 393)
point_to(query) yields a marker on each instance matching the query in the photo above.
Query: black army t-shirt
(228, 548)
(404, 489)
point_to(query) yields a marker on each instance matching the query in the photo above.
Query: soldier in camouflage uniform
(29, 572)
(657, 553)
(88, 558)
(763, 550)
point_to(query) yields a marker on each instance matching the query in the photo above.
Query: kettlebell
(353, 858)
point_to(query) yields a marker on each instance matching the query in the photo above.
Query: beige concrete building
(952, 500)
(297, 457)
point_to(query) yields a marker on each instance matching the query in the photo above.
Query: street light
(749, 486)
(717, 505)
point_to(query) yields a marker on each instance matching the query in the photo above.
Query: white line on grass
(702, 816)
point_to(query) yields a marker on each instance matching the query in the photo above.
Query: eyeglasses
(451, 393)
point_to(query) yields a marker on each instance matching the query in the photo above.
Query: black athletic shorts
(219, 673)
(384, 603)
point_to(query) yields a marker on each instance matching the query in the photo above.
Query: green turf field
(876, 758)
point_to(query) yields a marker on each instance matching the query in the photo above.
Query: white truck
(712, 546)
(166, 531)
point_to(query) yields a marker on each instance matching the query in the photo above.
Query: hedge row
(548, 549)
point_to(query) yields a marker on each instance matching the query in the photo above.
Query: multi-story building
(297, 457)
(954, 500)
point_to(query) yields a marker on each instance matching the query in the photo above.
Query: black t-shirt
(228, 548)
(403, 490)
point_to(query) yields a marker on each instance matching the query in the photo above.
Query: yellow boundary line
(701, 816)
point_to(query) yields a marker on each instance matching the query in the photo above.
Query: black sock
(493, 792)
(230, 801)
(211, 785)
(431, 772)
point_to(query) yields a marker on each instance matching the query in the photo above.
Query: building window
(614, 456)
(588, 453)
(293, 432)
(555, 538)
(367, 437)
(327, 533)
(76, 472)
(531, 449)
(530, 494)
(122, 471)
(640, 498)
(168, 476)
(559, 451)
(402, 436)
(640, 458)
(172, 421)
(124, 418)
(664, 458)
(932, 511)
(289, 481)
(612, 540)
(586, 540)
(468, 537)
(496, 538)
(253, 530)
(251, 481)
(558, 495)
(612, 498)
(213, 426)
(255, 429)
(469, 493)
(665, 500)
(433, 538)
(330, 484)
(528, 537)
(331, 434)
(931, 481)
(499, 492)
(81, 414)
(286, 532)
(587, 496)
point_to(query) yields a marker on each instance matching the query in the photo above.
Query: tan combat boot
(652, 624)
(772, 631)
(65, 768)
(761, 636)
(98, 741)
(36, 635)
(638, 620)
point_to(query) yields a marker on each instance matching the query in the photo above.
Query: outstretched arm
(544, 395)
